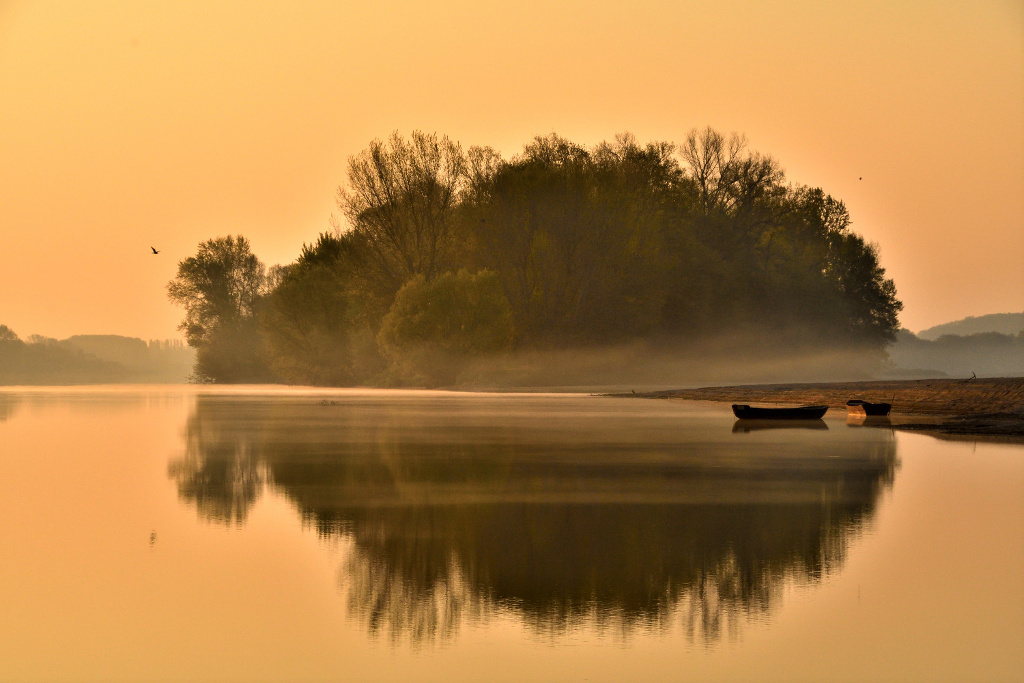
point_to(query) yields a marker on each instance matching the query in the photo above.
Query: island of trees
(455, 265)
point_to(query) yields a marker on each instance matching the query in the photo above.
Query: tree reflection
(454, 517)
(221, 472)
(8, 404)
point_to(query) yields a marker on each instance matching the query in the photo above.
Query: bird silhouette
(154, 250)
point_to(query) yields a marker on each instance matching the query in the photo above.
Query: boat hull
(745, 412)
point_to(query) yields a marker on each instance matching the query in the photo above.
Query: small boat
(858, 407)
(745, 412)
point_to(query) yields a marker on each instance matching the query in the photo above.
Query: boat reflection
(861, 420)
(459, 512)
(747, 426)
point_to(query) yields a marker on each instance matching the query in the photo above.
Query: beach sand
(988, 406)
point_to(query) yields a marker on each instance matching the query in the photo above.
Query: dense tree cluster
(453, 255)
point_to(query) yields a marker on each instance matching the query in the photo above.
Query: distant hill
(986, 354)
(154, 361)
(91, 359)
(1003, 323)
(40, 363)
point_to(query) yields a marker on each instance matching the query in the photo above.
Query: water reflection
(563, 511)
(8, 404)
(746, 426)
(879, 421)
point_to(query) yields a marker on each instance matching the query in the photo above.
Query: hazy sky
(135, 124)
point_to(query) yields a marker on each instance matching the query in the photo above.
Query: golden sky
(125, 125)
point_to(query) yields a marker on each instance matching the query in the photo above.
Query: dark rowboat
(745, 412)
(859, 407)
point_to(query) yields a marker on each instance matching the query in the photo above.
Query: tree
(221, 289)
(575, 236)
(740, 250)
(435, 326)
(320, 319)
(400, 199)
(868, 300)
(734, 195)
(689, 246)
(709, 156)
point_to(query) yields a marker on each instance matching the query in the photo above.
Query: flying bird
(154, 250)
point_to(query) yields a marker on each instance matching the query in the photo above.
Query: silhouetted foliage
(321, 318)
(575, 237)
(221, 289)
(435, 326)
(400, 199)
(610, 245)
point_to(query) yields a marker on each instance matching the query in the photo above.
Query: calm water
(267, 534)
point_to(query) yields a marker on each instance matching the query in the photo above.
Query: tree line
(985, 354)
(91, 359)
(449, 256)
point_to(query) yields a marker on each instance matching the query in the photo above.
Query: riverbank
(990, 406)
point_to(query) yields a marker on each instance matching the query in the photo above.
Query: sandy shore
(991, 406)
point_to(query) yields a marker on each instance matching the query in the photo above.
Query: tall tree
(435, 326)
(221, 289)
(867, 298)
(574, 235)
(321, 317)
(400, 199)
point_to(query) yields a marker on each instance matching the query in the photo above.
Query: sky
(130, 125)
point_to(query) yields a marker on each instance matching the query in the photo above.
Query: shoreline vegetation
(989, 406)
(619, 264)
(454, 267)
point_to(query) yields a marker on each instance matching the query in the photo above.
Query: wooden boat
(858, 407)
(745, 412)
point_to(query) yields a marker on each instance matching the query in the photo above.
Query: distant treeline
(91, 359)
(454, 256)
(1003, 323)
(986, 354)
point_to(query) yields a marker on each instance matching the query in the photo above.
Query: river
(268, 533)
